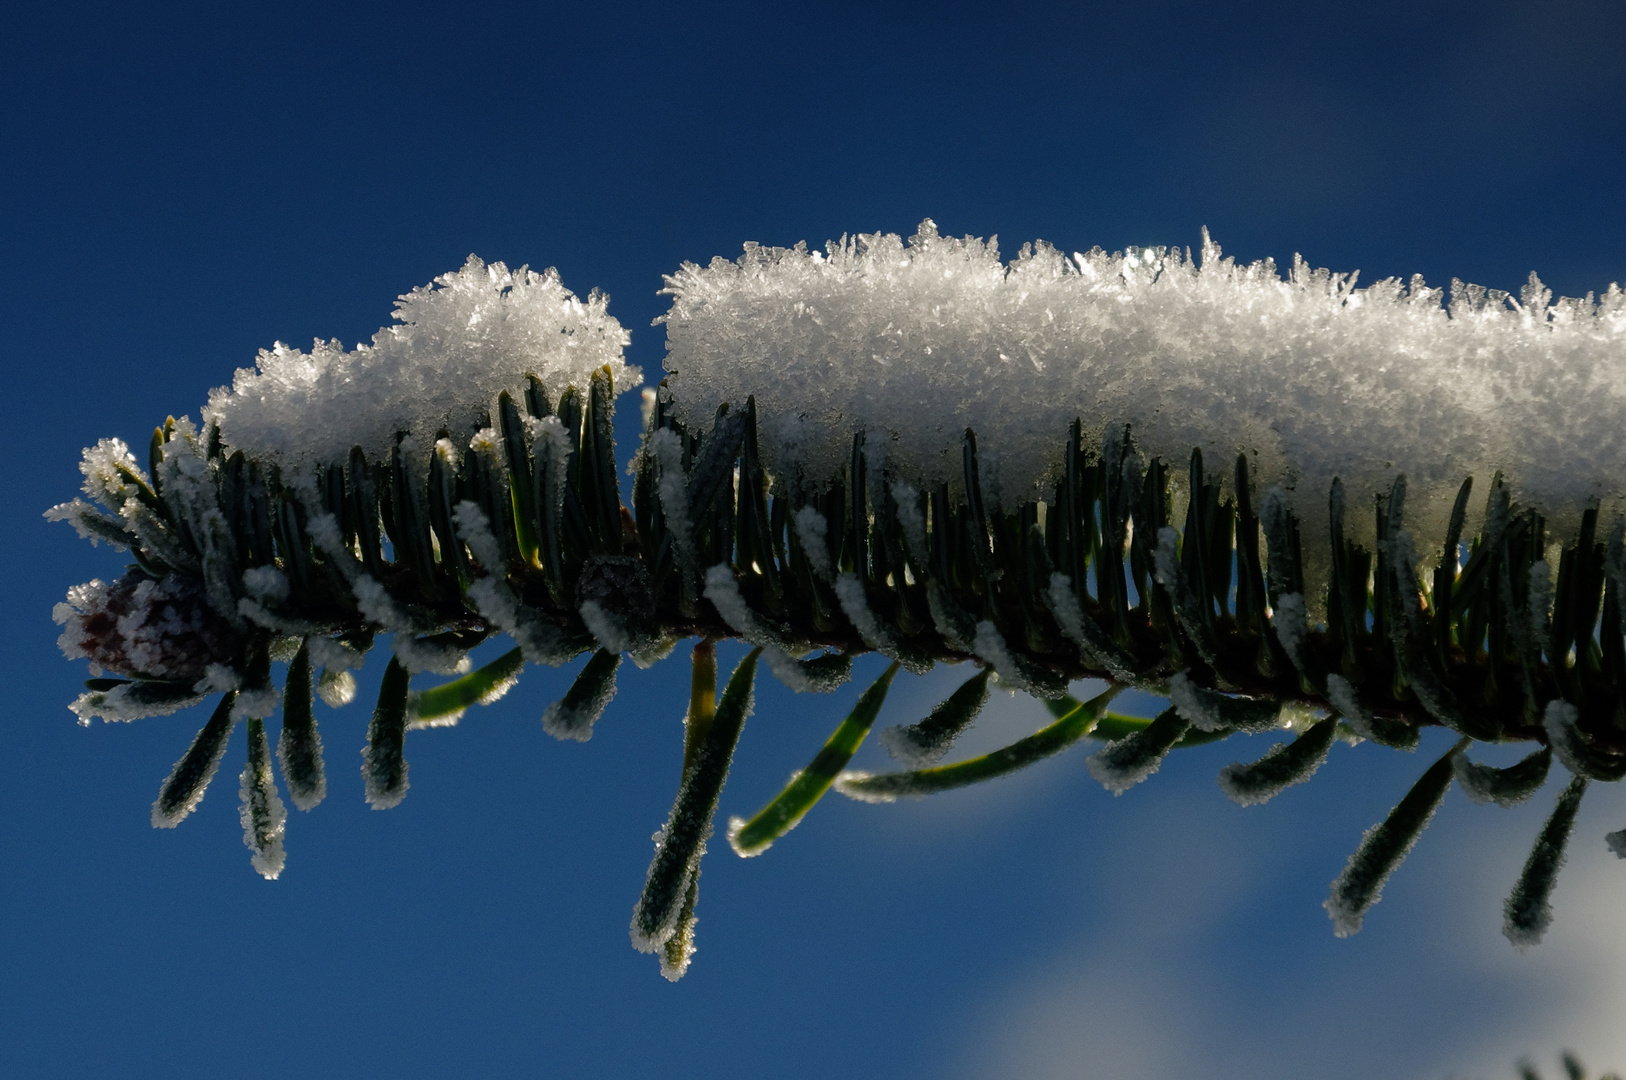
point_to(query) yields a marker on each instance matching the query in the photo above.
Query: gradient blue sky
(181, 185)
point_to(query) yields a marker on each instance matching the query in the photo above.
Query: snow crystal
(111, 473)
(1309, 375)
(456, 345)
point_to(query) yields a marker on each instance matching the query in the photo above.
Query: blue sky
(183, 185)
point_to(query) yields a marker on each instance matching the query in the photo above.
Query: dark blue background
(182, 185)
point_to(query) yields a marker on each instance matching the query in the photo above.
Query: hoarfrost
(647, 657)
(378, 606)
(1210, 711)
(263, 617)
(90, 523)
(417, 654)
(140, 626)
(924, 744)
(1341, 696)
(334, 655)
(665, 910)
(724, 594)
(850, 783)
(299, 744)
(812, 531)
(256, 703)
(266, 584)
(912, 521)
(989, 646)
(608, 628)
(217, 679)
(112, 476)
(456, 344)
(1384, 847)
(1292, 625)
(1310, 375)
(383, 767)
(1283, 765)
(183, 789)
(126, 702)
(1564, 735)
(1529, 909)
(951, 621)
(1505, 787)
(779, 652)
(667, 450)
(542, 641)
(1123, 763)
(1092, 644)
(1540, 603)
(263, 816)
(572, 717)
(874, 633)
(475, 531)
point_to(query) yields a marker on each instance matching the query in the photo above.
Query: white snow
(1308, 374)
(456, 344)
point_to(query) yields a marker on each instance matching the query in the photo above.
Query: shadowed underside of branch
(1511, 636)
